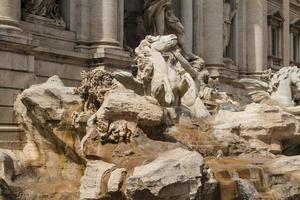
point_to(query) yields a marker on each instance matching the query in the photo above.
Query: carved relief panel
(47, 11)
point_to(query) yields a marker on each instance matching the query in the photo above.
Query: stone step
(11, 137)
(10, 133)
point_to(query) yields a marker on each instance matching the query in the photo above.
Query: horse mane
(282, 74)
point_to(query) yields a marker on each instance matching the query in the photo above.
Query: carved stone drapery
(44, 8)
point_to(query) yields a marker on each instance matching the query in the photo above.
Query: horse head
(162, 43)
(295, 78)
(285, 84)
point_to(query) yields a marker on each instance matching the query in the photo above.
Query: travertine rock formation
(127, 146)
(44, 112)
(121, 115)
(259, 128)
(92, 182)
(174, 174)
(163, 133)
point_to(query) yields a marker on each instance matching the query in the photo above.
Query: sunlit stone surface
(149, 99)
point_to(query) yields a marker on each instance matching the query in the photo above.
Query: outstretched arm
(160, 20)
(185, 64)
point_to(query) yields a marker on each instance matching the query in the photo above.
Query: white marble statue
(44, 8)
(159, 19)
(166, 76)
(281, 89)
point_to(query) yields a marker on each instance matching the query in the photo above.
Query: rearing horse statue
(165, 75)
(280, 89)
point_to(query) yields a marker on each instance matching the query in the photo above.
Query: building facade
(41, 38)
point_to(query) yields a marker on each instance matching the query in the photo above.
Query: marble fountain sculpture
(155, 133)
(161, 132)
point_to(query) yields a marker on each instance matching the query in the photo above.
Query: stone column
(187, 21)
(291, 46)
(121, 22)
(286, 33)
(242, 37)
(104, 23)
(213, 35)
(255, 35)
(10, 14)
(105, 43)
(198, 27)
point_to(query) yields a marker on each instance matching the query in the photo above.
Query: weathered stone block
(92, 182)
(175, 174)
(14, 79)
(7, 115)
(115, 180)
(15, 61)
(8, 96)
(67, 71)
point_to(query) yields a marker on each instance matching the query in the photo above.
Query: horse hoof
(169, 98)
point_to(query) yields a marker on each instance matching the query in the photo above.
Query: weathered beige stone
(16, 61)
(44, 111)
(263, 126)
(174, 174)
(7, 115)
(14, 79)
(50, 161)
(116, 180)
(91, 186)
(126, 105)
(284, 164)
(67, 71)
(8, 96)
(284, 177)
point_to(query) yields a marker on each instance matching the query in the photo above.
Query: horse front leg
(183, 86)
(169, 96)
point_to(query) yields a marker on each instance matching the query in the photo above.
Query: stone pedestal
(213, 36)
(255, 36)
(10, 14)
